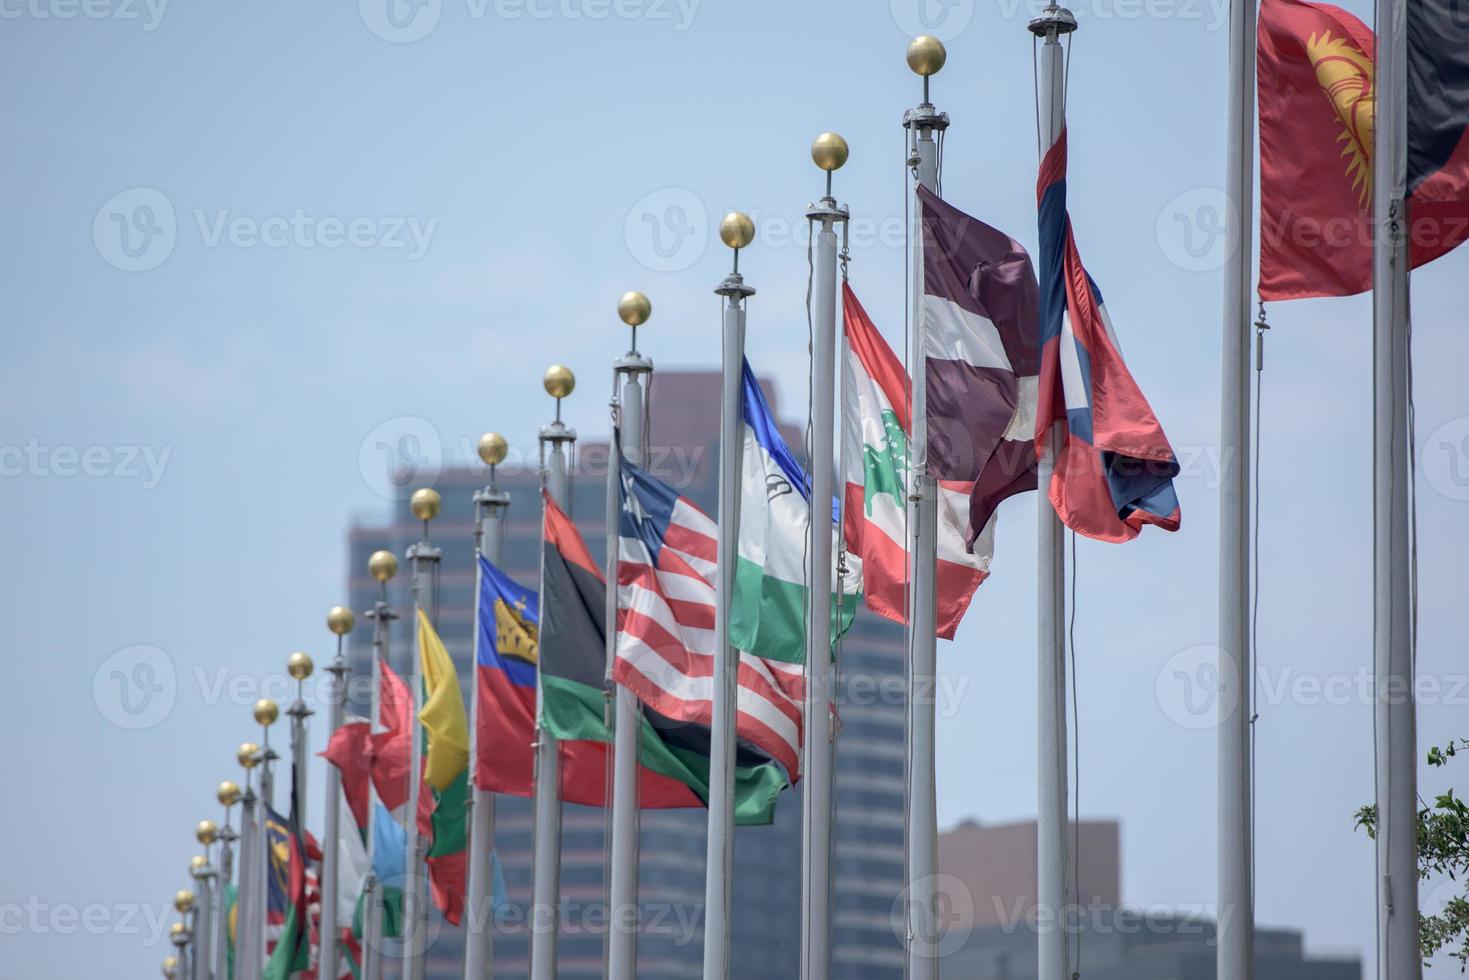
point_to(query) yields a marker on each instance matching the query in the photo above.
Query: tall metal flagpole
(382, 566)
(204, 879)
(622, 946)
(1398, 952)
(926, 55)
(179, 935)
(736, 231)
(424, 504)
(248, 960)
(1235, 901)
(228, 795)
(490, 504)
(266, 712)
(546, 876)
(1051, 756)
(829, 152)
(339, 620)
(187, 905)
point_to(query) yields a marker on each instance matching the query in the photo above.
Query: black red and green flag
(573, 669)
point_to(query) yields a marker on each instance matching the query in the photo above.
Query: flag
(444, 772)
(505, 683)
(876, 429)
(666, 643)
(292, 952)
(1115, 469)
(572, 661)
(768, 614)
(1317, 85)
(351, 749)
(509, 651)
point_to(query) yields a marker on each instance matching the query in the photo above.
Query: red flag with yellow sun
(1317, 85)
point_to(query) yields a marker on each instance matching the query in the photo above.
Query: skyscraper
(868, 837)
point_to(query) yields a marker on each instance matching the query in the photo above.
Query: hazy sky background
(549, 163)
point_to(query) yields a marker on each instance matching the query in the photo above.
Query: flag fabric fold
(1317, 80)
(666, 643)
(1115, 468)
(508, 638)
(876, 431)
(292, 953)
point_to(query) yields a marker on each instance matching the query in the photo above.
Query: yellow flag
(442, 714)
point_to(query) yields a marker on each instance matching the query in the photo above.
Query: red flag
(1317, 81)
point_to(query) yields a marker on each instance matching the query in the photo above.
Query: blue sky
(370, 226)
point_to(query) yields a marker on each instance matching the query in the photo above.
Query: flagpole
(382, 566)
(204, 877)
(546, 875)
(1399, 957)
(1051, 776)
(622, 946)
(178, 934)
(736, 231)
(339, 620)
(266, 712)
(186, 904)
(829, 152)
(425, 557)
(489, 541)
(1235, 905)
(248, 960)
(228, 795)
(926, 55)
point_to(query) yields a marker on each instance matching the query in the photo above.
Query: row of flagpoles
(977, 304)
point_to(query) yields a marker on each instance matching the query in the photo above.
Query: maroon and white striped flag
(981, 357)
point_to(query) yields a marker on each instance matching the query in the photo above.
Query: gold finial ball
(634, 308)
(829, 151)
(492, 448)
(559, 381)
(299, 666)
(207, 832)
(339, 620)
(425, 503)
(737, 230)
(229, 790)
(197, 863)
(247, 755)
(383, 565)
(178, 928)
(183, 900)
(266, 711)
(926, 55)
(170, 963)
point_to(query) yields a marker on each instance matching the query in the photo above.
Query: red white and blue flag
(1115, 469)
